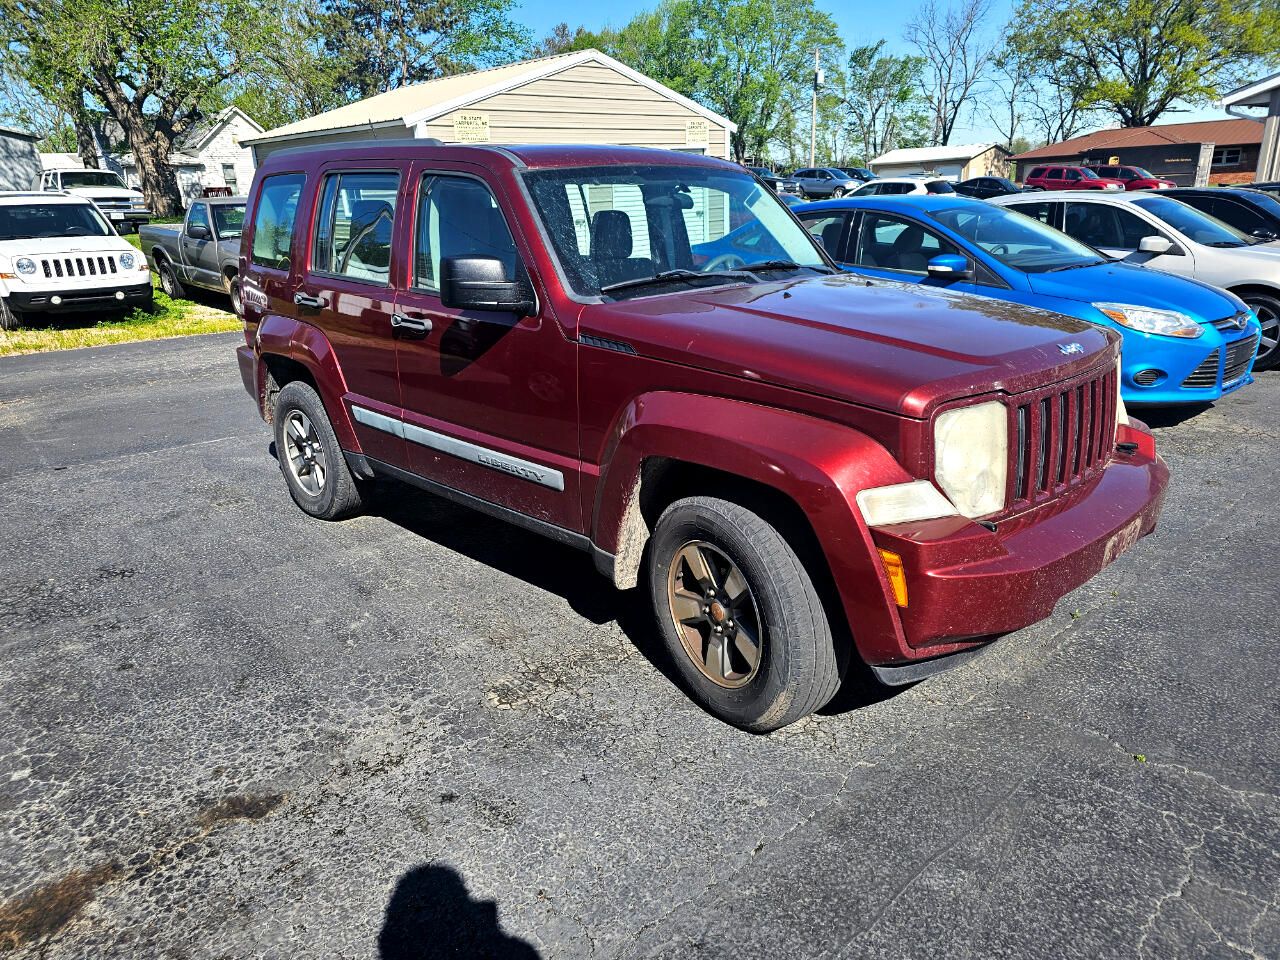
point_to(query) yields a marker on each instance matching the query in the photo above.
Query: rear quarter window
(273, 220)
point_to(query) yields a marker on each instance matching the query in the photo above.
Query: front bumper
(132, 215)
(1186, 371)
(114, 296)
(966, 582)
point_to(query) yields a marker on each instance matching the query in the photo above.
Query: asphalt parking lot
(228, 730)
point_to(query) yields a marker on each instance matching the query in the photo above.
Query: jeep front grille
(1239, 354)
(1059, 437)
(86, 266)
(1205, 375)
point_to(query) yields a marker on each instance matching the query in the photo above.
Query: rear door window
(1103, 225)
(355, 224)
(273, 220)
(1042, 210)
(889, 242)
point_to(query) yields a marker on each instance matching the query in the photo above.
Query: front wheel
(310, 457)
(740, 615)
(1267, 309)
(10, 319)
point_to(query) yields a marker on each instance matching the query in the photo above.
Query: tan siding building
(583, 97)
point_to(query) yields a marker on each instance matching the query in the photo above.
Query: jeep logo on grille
(1070, 348)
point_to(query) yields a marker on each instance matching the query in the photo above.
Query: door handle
(315, 303)
(418, 325)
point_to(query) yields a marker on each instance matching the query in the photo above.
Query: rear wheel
(837, 193)
(1267, 309)
(233, 291)
(310, 457)
(169, 281)
(740, 615)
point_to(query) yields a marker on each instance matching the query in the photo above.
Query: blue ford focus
(1184, 341)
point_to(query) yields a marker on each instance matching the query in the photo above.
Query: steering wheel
(999, 250)
(726, 261)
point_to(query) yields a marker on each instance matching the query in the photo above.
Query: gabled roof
(416, 103)
(935, 154)
(1256, 94)
(194, 140)
(1221, 132)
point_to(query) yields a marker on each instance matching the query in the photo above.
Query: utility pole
(813, 116)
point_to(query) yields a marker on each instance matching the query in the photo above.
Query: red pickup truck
(797, 465)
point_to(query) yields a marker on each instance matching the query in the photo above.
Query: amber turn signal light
(897, 576)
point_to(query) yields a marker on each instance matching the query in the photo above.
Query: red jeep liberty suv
(643, 354)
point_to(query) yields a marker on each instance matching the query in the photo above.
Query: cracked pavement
(228, 730)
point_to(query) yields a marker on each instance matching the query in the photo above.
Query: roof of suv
(531, 156)
(17, 198)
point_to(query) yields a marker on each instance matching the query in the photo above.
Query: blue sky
(860, 23)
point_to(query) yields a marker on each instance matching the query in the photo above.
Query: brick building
(1191, 154)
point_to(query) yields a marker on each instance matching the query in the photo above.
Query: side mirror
(1154, 245)
(950, 267)
(480, 283)
(198, 231)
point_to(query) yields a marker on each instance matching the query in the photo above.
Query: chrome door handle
(410, 324)
(315, 303)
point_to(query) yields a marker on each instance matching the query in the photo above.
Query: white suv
(123, 206)
(58, 255)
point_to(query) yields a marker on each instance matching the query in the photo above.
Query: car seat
(908, 251)
(611, 249)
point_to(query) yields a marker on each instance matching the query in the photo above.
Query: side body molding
(818, 464)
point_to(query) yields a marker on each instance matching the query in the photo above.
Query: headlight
(127, 261)
(1167, 323)
(25, 266)
(971, 457)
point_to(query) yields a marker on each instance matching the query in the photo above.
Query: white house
(211, 154)
(19, 159)
(958, 162)
(581, 97)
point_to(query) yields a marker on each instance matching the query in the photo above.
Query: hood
(897, 347)
(64, 246)
(1140, 286)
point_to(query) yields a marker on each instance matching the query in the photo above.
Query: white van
(122, 205)
(59, 255)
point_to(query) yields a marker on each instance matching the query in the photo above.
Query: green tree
(563, 40)
(884, 107)
(1139, 57)
(157, 66)
(380, 45)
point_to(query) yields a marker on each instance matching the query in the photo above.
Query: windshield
(1144, 173)
(1016, 240)
(1193, 224)
(629, 224)
(1087, 174)
(228, 218)
(91, 178)
(51, 220)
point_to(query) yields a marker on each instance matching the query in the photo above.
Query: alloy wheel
(715, 614)
(1269, 319)
(304, 452)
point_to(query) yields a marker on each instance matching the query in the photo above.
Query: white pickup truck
(122, 205)
(59, 255)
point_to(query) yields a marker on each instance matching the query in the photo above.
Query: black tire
(169, 281)
(1267, 307)
(837, 193)
(797, 669)
(233, 291)
(10, 319)
(338, 495)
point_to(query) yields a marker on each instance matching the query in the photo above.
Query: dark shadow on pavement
(432, 915)
(1157, 418)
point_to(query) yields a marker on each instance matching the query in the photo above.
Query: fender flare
(818, 464)
(308, 346)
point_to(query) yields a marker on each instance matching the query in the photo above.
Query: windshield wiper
(668, 276)
(784, 265)
(1077, 266)
(1227, 244)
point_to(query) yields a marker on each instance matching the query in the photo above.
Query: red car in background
(1133, 178)
(1069, 178)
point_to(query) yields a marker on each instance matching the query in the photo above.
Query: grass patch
(169, 318)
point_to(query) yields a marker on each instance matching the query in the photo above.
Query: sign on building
(471, 128)
(695, 133)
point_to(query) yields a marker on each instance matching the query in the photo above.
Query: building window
(229, 177)
(1226, 156)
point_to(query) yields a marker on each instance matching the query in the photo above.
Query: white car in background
(903, 186)
(123, 206)
(1160, 232)
(59, 255)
